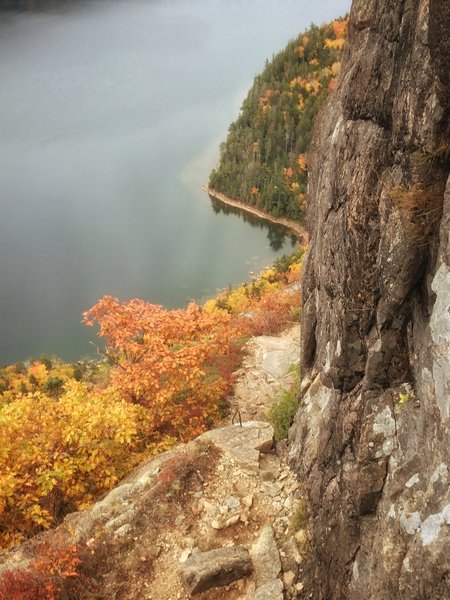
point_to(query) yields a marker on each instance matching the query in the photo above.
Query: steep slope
(371, 440)
(216, 492)
(263, 163)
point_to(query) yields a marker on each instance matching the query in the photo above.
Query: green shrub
(282, 412)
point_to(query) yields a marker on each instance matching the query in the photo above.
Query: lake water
(111, 114)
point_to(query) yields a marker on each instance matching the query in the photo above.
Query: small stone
(217, 524)
(270, 489)
(240, 584)
(244, 517)
(299, 586)
(233, 503)
(292, 488)
(289, 578)
(232, 520)
(209, 508)
(301, 538)
(179, 519)
(185, 555)
(248, 500)
(290, 556)
(288, 503)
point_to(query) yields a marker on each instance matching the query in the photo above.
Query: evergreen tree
(263, 161)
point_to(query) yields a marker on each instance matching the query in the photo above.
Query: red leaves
(45, 576)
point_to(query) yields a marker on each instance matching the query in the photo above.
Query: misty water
(111, 114)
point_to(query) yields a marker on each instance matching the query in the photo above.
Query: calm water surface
(111, 113)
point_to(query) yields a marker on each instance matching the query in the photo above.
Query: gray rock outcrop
(218, 567)
(273, 590)
(265, 557)
(371, 440)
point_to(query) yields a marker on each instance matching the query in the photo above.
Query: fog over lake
(111, 115)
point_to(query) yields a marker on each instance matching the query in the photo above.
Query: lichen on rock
(375, 318)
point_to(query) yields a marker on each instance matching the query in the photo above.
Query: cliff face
(371, 439)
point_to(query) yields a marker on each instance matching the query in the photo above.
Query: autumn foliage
(166, 361)
(58, 455)
(54, 573)
(68, 433)
(263, 161)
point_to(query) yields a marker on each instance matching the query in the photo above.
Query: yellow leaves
(339, 31)
(335, 44)
(43, 376)
(312, 86)
(60, 449)
(297, 82)
(301, 162)
(335, 68)
(294, 272)
(39, 516)
(340, 28)
(38, 371)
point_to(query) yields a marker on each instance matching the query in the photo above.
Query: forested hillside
(263, 161)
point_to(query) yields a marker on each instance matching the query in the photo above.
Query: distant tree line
(264, 159)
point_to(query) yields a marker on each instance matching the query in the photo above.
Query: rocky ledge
(221, 517)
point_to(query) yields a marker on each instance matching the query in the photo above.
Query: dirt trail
(266, 370)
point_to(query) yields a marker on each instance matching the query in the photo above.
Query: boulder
(205, 570)
(265, 556)
(242, 444)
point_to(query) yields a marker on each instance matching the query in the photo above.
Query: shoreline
(290, 224)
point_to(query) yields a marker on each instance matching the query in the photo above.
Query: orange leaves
(301, 162)
(263, 306)
(160, 359)
(254, 190)
(335, 68)
(339, 31)
(332, 84)
(340, 28)
(265, 98)
(297, 81)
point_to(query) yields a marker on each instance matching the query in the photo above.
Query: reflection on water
(103, 106)
(278, 235)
